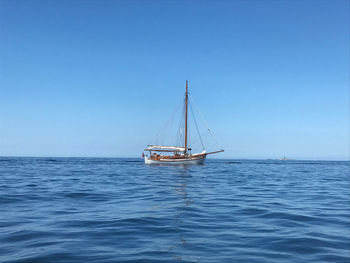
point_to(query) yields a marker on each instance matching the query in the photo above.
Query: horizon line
(224, 158)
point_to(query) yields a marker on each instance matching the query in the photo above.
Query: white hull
(193, 160)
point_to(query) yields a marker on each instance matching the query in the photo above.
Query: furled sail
(160, 148)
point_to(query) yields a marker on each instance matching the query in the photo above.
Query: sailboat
(160, 154)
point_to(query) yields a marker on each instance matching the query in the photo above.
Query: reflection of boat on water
(177, 154)
(184, 203)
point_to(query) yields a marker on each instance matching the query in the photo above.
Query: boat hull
(193, 160)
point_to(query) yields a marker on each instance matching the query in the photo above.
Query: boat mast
(186, 105)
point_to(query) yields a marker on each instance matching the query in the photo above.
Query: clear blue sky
(100, 78)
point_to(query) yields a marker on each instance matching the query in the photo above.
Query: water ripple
(120, 210)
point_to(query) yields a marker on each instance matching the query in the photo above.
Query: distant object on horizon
(181, 154)
(284, 159)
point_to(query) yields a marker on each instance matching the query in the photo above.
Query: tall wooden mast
(186, 106)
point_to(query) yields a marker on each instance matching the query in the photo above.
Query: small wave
(110, 209)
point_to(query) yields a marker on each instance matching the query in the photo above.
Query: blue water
(120, 210)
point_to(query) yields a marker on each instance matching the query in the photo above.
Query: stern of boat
(146, 158)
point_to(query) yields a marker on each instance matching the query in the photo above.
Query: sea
(90, 210)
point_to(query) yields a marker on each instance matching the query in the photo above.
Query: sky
(101, 78)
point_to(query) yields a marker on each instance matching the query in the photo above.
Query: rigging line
(156, 137)
(189, 126)
(195, 122)
(203, 138)
(179, 130)
(205, 122)
(188, 135)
